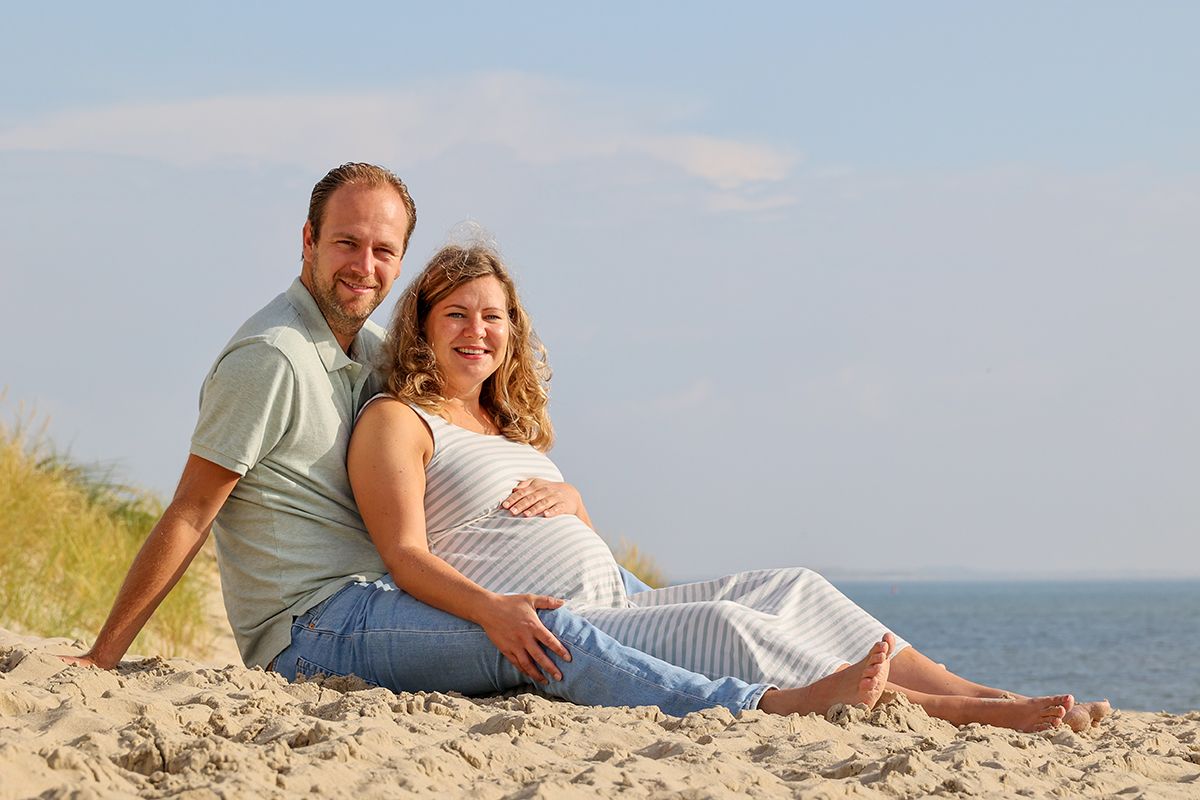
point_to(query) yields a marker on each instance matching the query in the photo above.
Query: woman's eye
(455, 315)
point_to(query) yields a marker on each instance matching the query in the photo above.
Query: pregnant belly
(560, 556)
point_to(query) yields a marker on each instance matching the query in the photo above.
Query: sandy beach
(156, 728)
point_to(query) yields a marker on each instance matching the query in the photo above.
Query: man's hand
(85, 660)
(549, 499)
(165, 555)
(512, 623)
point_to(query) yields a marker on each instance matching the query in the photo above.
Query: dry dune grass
(69, 536)
(631, 558)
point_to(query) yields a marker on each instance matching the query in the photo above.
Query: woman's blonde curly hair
(516, 394)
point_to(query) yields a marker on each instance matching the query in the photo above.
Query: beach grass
(69, 534)
(639, 563)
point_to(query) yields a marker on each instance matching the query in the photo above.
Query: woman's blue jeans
(388, 638)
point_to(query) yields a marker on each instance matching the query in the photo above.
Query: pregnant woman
(450, 473)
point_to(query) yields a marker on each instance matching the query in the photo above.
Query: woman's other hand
(512, 623)
(535, 497)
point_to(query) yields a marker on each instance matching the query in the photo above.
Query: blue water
(1136, 643)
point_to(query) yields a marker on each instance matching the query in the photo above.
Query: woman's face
(468, 331)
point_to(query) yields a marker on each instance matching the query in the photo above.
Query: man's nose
(363, 262)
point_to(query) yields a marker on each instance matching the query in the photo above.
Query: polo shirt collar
(331, 353)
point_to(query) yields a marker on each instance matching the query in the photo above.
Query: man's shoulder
(374, 330)
(371, 337)
(274, 341)
(278, 324)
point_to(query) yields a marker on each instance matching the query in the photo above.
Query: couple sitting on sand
(385, 508)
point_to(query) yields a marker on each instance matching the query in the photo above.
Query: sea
(1136, 643)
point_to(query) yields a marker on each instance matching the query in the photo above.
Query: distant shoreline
(839, 576)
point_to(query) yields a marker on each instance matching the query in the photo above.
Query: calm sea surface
(1136, 643)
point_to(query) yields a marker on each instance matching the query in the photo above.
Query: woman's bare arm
(386, 463)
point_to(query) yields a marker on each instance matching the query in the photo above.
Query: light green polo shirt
(277, 408)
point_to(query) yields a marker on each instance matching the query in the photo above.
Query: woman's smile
(471, 352)
(468, 331)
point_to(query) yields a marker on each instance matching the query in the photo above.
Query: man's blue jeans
(388, 638)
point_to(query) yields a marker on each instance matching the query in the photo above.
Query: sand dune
(156, 727)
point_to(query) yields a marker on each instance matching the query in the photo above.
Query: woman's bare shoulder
(387, 417)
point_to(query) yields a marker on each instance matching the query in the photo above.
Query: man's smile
(358, 288)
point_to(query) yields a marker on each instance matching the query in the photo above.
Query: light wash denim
(633, 584)
(388, 638)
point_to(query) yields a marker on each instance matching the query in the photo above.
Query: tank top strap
(432, 419)
(372, 399)
(438, 428)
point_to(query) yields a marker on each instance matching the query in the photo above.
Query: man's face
(351, 267)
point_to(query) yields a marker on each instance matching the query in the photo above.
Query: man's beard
(342, 320)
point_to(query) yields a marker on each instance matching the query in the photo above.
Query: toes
(1077, 719)
(1049, 723)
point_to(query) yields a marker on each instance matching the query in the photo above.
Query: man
(266, 472)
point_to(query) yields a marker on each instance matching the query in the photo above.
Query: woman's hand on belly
(512, 623)
(538, 497)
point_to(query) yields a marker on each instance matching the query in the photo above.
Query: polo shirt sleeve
(245, 407)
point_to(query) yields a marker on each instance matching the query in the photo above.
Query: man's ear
(307, 240)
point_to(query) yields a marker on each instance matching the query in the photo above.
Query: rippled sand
(155, 728)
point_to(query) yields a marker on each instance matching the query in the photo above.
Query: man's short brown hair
(360, 174)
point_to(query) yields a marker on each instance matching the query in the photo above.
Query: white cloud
(539, 121)
(695, 396)
(743, 201)
(726, 163)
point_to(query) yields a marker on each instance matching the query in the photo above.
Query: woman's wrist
(483, 607)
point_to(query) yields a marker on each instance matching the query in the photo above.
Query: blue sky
(871, 288)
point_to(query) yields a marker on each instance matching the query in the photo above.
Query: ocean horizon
(1135, 642)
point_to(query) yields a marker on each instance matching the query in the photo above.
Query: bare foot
(1082, 716)
(1027, 714)
(862, 682)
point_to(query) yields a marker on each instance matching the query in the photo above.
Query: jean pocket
(312, 618)
(310, 670)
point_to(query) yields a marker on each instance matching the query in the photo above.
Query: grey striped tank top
(467, 478)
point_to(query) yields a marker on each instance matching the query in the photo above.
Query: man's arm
(165, 556)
